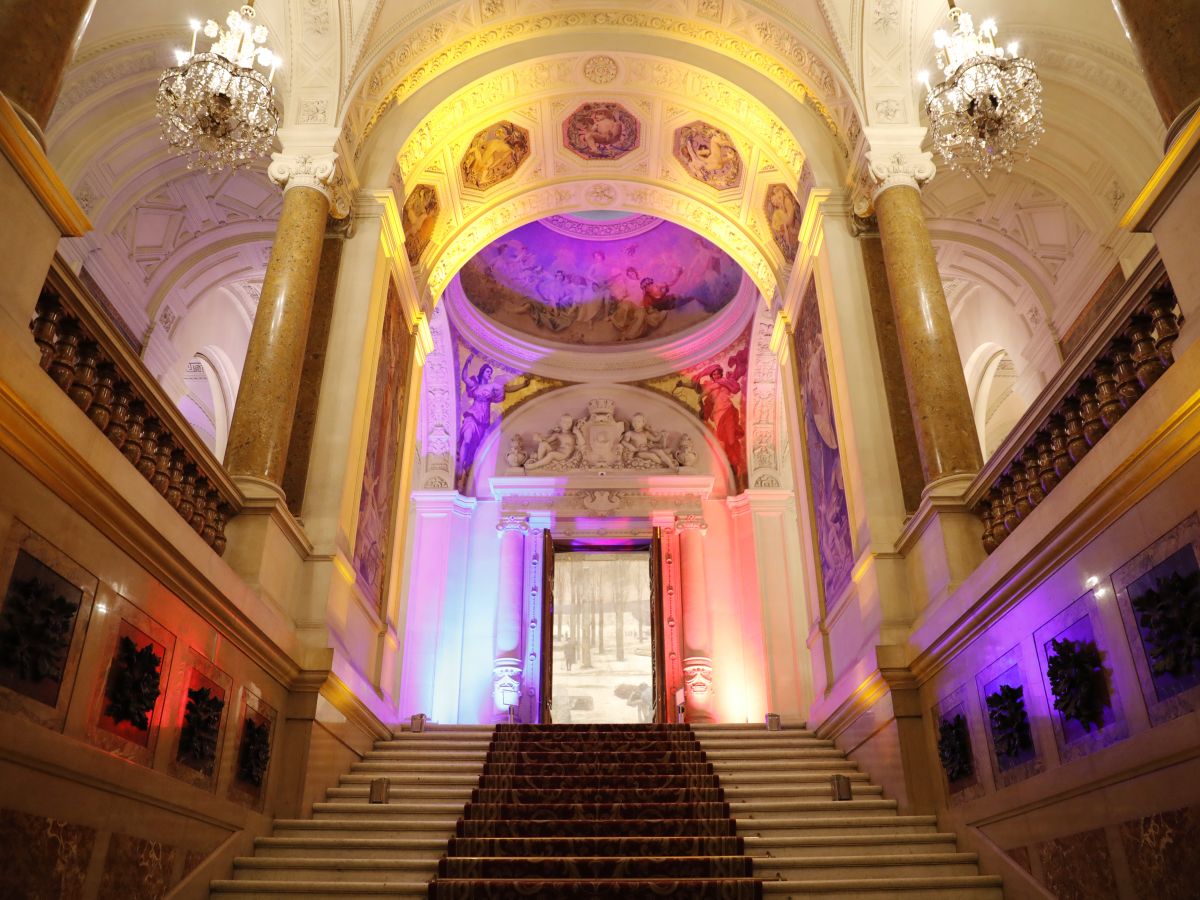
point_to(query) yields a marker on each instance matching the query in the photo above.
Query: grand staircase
(607, 811)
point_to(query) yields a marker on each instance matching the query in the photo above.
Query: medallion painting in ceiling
(574, 280)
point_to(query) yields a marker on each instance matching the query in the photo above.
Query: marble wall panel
(254, 710)
(137, 869)
(44, 859)
(125, 739)
(201, 673)
(1009, 671)
(44, 696)
(957, 703)
(1161, 852)
(1175, 553)
(1078, 866)
(1079, 622)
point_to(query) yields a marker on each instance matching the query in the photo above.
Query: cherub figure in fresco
(481, 391)
(558, 446)
(644, 447)
(718, 410)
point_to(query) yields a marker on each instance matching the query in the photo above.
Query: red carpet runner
(573, 811)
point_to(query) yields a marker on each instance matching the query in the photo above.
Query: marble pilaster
(40, 38)
(507, 664)
(937, 389)
(266, 403)
(1166, 39)
(697, 636)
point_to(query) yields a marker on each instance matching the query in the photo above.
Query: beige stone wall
(1113, 812)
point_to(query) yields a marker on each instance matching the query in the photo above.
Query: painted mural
(597, 290)
(709, 155)
(822, 451)
(421, 211)
(718, 392)
(494, 154)
(783, 217)
(601, 131)
(479, 391)
(380, 468)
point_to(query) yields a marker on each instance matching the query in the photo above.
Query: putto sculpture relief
(420, 216)
(600, 441)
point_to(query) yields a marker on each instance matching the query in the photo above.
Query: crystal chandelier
(217, 107)
(988, 111)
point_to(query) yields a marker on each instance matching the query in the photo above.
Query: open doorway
(603, 638)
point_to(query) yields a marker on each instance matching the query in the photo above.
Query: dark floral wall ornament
(133, 684)
(37, 625)
(954, 748)
(254, 754)
(1169, 616)
(1078, 681)
(201, 729)
(1011, 733)
(35, 630)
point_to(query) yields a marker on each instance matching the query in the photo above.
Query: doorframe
(551, 547)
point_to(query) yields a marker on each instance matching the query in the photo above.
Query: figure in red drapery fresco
(720, 396)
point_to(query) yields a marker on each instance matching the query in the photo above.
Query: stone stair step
(306, 890)
(433, 811)
(772, 754)
(850, 844)
(366, 827)
(736, 792)
(320, 846)
(706, 728)
(757, 809)
(950, 887)
(384, 871)
(829, 765)
(837, 825)
(360, 792)
(874, 865)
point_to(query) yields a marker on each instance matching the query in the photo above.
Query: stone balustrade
(1129, 350)
(90, 362)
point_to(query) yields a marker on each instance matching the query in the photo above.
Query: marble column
(937, 389)
(40, 37)
(266, 403)
(506, 661)
(1166, 39)
(697, 632)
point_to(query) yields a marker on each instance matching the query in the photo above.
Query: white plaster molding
(304, 170)
(895, 158)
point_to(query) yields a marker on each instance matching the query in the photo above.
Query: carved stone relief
(601, 441)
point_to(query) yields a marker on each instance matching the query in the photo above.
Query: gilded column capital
(314, 171)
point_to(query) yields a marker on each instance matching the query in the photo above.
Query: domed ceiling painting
(598, 280)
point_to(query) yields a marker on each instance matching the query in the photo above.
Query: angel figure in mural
(717, 391)
(481, 391)
(644, 447)
(558, 446)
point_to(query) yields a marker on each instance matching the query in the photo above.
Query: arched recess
(790, 60)
(663, 94)
(208, 401)
(995, 402)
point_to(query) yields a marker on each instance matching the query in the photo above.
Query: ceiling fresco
(580, 280)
